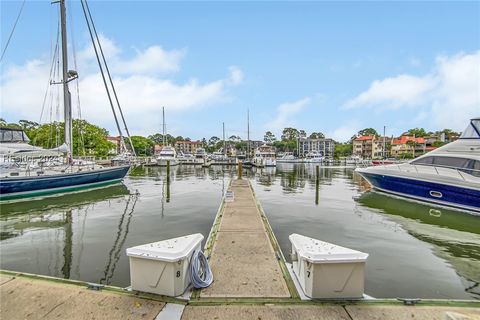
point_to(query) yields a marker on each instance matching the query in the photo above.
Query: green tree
(213, 141)
(234, 138)
(289, 134)
(343, 150)
(143, 146)
(317, 135)
(157, 138)
(368, 132)
(269, 137)
(417, 132)
(88, 139)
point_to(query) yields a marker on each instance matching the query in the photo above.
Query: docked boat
(353, 160)
(288, 157)
(26, 174)
(167, 154)
(202, 158)
(186, 158)
(314, 157)
(447, 176)
(264, 157)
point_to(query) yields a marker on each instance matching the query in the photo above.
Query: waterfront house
(117, 145)
(408, 145)
(363, 146)
(188, 146)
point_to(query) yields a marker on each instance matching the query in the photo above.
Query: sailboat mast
(224, 143)
(66, 93)
(248, 134)
(164, 129)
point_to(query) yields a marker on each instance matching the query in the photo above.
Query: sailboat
(168, 153)
(40, 178)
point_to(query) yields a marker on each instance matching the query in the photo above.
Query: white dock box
(163, 267)
(327, 271)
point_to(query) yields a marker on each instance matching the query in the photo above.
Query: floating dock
(251, 281)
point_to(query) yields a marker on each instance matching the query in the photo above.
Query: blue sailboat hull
(443, 194)
(23, 187)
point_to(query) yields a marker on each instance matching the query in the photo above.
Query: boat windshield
(470, 166)
(472, 131)
(13, 135)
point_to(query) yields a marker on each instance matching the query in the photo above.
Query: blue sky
(334, 67)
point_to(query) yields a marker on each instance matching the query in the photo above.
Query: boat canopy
(13, 135)
(472, 131)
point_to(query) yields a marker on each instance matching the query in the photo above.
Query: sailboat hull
(25, 187)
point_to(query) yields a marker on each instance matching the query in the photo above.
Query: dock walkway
(242, 259)
(250, 283)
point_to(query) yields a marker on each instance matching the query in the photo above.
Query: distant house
(188, 146)
(371, 147)
(325, 147)
(408, 145)
(117, 142)
(363, 146)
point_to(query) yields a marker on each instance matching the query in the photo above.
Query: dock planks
(243, 261)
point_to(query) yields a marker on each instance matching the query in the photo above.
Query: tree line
(91, 140)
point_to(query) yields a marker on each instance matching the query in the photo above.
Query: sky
(331, 67)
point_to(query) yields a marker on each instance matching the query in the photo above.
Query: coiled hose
(200, 272)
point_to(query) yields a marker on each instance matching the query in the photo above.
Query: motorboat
(202, 158)
(314, 157)
(264, 157)
(167, 154)
(186, 158)
(353, 160)
(447, 176)
(288, 157)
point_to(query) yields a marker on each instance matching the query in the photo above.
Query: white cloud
(284, 113)
(344, 132)
(394, 93)
(236, 75)
(444, 98)
(140, 84)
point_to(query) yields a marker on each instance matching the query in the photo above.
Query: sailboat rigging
(45, 178)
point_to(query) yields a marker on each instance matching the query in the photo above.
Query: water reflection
(415, 250)
(455, 236)
(118, 243)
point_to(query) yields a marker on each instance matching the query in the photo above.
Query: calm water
(415, 250)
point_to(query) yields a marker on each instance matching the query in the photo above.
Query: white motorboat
(202, 158)
(288, 157)
(314, 157)
(167, 154)
(264, 157)
(448, 176)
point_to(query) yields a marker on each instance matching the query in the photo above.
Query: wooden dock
(242, 258)
(250, 282)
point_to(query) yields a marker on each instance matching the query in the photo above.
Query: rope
(13, 30)
(200, 272)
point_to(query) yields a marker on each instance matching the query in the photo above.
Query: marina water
(416, 250)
